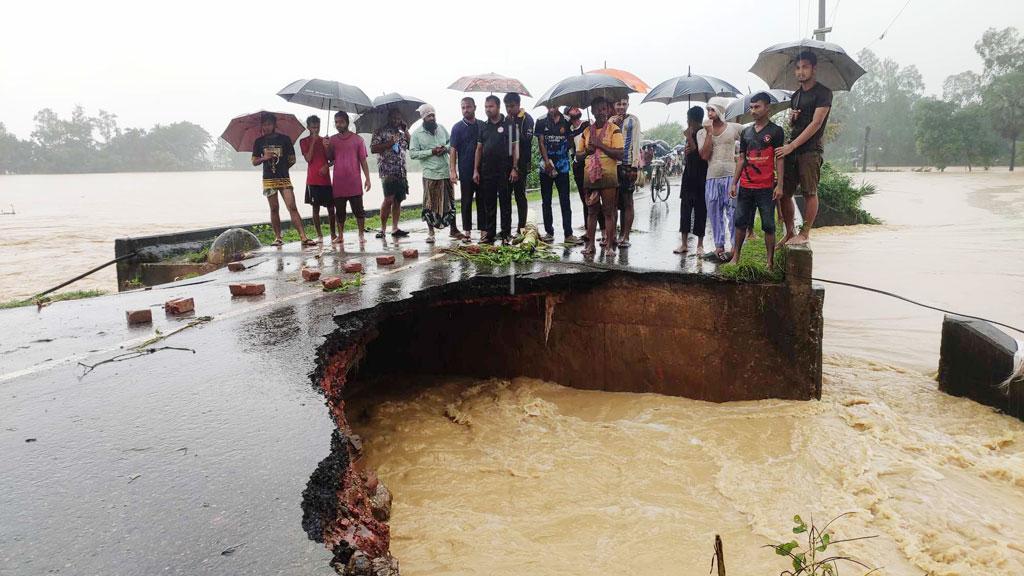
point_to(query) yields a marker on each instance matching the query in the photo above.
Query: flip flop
(277, 243)
(624, 244)
(430, 240)
(724, 257)
(399, 233)
(378, 235)
(309, 243)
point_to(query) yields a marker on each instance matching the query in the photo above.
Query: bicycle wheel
(662, 189)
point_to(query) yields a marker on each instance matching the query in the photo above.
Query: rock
(144, 316)
(359, 564)
(231, 242)
(310, 274)
(372, 482)
(385, 566)
(178, 306)
(236, 266)
(353, 266)
(385, 260)
(410, 253)
(380, 502)
(332, 282)
(247, 289)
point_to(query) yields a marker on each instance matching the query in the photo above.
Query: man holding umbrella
(276, 153)
(390, 144)
(809, 110)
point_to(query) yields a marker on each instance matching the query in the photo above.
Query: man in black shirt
(494, 169)
(521, 125)
(276, 153)
(808, 115)
(694, 215)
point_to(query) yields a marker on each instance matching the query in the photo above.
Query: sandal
(430, 240)
(277, 243)
(624, 244)
(378, 235)
(399, 233)
(308, 242)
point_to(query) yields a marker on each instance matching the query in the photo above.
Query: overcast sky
(208, 61)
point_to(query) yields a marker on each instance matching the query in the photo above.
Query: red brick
(178, 306)
(247, 289)
(473, 249)
(236, 266)
(310, 274)
(144, 316)
(353, 266)
(385, 260)
(410, 253)
(332, 282)
(371, 482)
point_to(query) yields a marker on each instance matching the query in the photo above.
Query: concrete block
(385, 260)
(799, 265)
(353, 266)
(178, 306)
(310, 274)
(247, 289)
(975, 357)
(331, 282)
(410, 253)
(144, 316)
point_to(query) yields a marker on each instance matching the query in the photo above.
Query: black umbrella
(382, 105)
(326, 95)
(739, 110)
(836, 69)
(691, 87)
(581, 89)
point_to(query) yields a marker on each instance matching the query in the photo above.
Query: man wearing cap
(430, 144)
(717, 144)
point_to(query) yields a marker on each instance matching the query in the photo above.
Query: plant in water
(816, 559)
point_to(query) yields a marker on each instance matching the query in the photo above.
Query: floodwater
(528, 477)
(66, 224)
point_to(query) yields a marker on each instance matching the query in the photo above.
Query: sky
(208, 61)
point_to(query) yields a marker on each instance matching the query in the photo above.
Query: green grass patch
(199, 256)
(503, 255)
(50, 298)
(753, 264)
(838, 193)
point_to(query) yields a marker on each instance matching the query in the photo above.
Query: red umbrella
(629, 78)
(489, 83)
(243, 131)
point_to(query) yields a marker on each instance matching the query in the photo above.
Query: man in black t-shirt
(522, 127)
(808, 115)
(276, 153)
(760, 175)
(494, 169)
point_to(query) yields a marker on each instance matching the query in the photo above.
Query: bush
(840, 199)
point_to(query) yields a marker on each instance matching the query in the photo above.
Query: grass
(753, 264)
(837, 191)
(73, 295)
(198, 257)
(503, 255)
(347, 285)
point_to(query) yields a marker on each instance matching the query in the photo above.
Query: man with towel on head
(430, 144)
(717, 145)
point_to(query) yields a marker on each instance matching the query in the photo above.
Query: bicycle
(661, 189)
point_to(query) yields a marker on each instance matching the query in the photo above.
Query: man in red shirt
(760, 177)
(318, 178)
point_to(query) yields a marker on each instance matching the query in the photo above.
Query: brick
(310, 274)
(236, 266)
(410, 253)
(179, 306)
(247, 289)
(144, 316)
(353, 266)
(473, 248)
(385, 260)
(331, 282)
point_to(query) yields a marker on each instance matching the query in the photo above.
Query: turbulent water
(528, 477)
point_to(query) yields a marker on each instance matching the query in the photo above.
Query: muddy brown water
(529, 477)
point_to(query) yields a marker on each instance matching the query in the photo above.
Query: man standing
(430, 145)
(495, 169)
(553, 137)
(318, 179)
(629, 166)
(602, 148)
(695, 172)
(465, 135)
(521, 124)
(717, 143)
(277, 154)
(389, 144)
(808, 115)
(760, 175)
(576, 127)
(347, 152)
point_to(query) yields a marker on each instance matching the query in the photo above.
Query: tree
(962, 89)
(15, 154)
(979, 142)
(178, 146)
(1002, 51)
(1004, 99)
(670, 132)
(939, 139)
(226, 158)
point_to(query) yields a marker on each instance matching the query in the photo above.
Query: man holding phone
(277, 154)
(390, 144)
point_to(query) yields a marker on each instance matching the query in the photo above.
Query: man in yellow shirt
(602, 145)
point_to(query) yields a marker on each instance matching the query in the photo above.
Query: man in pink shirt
(346, 151)
(318, 178)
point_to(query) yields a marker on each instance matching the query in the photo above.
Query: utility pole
(864, 158)
(821, 30)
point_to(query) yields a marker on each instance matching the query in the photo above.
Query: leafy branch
(813, 561)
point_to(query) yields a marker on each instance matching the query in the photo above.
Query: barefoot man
(760, 176)
(808, 115)
(347, 153)
(277, 154)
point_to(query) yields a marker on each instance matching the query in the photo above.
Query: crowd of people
(730, 171)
